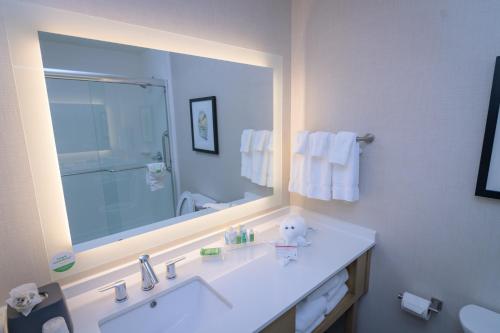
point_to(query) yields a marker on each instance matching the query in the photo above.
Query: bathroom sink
(187, 307)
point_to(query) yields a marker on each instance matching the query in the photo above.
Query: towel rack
(367, 138)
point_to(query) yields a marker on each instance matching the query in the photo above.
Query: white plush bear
(293, 230)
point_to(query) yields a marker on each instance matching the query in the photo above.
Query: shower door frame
(62, 74)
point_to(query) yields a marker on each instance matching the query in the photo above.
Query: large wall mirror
(488, 182)
(140, 138)
(144, 135)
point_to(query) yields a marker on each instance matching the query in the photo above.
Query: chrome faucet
(148, 275)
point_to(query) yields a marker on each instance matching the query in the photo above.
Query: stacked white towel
(311, 311)
(256, 156)
(330, 286)
(325, 166)
(309, 314)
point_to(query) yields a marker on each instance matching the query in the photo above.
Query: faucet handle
(171, 274)
(120, 290)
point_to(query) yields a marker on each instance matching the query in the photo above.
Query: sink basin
(187, 307)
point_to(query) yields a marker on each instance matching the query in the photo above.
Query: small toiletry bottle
(238, 235)
(227, 237)
(243, 236)
(251, 236)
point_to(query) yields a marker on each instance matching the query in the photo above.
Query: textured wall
(260, 24)
(417, 74)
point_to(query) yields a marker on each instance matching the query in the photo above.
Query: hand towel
(260, 139)
(319, 170)
(311, 327)
(330, 285)
(260, 157)
(246, 140)
(318, 143)
(300, 143)
(335, 300)
(345, 178)
(155, 175)
(308, 312)
(298, 172)
(270, 160)
(340, 150)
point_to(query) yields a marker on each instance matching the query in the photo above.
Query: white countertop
(251, 279)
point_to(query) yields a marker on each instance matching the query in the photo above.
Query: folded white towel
(308, 312)
(341, 148)
(270, 161)
(260, 157)
(155, 175)
(345, 178)
(326, 288)
(317, 144)
(336, 298)
(311, 327)
(300, 143)
(246, 140)
(318, 178)
(298, 173)
(260, 139)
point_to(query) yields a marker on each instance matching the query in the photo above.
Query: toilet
(476, 319)
(191, 202)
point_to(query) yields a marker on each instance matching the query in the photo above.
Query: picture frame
(488, 180)
(204, 134)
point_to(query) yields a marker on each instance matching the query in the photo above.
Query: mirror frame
(22, 24)
(489, 138)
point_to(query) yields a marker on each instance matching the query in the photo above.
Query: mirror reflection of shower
(123, 133)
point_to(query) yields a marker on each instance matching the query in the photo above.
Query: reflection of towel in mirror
(270, 166)
(260, 157)
(155, 175)
(246, 153)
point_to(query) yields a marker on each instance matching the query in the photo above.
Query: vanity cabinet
(359, 274)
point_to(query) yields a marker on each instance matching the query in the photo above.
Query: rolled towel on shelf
(329, 286)
(308, 312)
(336, 298)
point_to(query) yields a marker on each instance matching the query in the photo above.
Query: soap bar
(213, 251)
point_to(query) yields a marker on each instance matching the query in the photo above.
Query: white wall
(418, 75)
(244, 100)
(260, 24)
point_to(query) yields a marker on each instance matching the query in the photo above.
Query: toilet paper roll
(415, 305)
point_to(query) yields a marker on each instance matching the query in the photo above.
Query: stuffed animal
(293, 230)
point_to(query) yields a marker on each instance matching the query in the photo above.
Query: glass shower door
(106, 135)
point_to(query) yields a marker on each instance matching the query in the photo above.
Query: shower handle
(165, 144)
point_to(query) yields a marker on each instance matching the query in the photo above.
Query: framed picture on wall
(204, 125)
(488, 180)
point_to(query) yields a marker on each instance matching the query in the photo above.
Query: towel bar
(367, 138)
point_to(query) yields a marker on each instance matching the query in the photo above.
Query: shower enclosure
(107, 130)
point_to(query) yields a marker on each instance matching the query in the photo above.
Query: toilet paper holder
(436, 304)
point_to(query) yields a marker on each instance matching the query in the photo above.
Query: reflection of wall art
(204, 125)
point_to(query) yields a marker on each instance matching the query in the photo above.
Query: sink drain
(153, 304)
